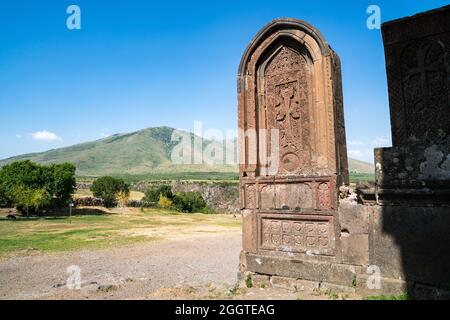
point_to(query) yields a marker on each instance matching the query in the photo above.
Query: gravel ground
(191, 267)
(139, 271)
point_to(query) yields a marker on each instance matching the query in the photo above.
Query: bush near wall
(220, 196)
(181, 201)
(189, 202)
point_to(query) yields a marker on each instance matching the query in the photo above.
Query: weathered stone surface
(292, 284)
(260, 280)
(306, 285)
(354, 218)
(355, 249)
(301, 269)
(417, 61)
(412, 243)
(336, 289)
(388, 286)
(249, 239)
(413, 175)
(284, 283)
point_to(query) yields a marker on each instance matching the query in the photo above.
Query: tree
(60, 181)
(21, 173)
(57, 180)
(26, 199)
(4, 201)
(110, 190)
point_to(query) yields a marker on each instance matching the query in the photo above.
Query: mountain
(358, 166)
(143, 152)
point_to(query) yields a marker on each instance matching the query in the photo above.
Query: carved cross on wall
(284, 105)
(426, 63)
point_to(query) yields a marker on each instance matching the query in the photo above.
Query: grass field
(98, 228)
(355, 177)
(218, 177)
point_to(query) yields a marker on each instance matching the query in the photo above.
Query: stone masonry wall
(222, 197)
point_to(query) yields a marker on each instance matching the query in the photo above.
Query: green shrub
(153, 194)
(189, 202)
(164, 202)
(110, 190)
(249, 281)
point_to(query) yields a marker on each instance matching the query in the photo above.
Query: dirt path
(191, 267)
(126, 272)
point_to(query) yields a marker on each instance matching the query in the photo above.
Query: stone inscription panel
(287, 196)
(304, 234)
(311, 195)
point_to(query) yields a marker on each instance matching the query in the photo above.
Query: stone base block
(336, 289)
(300, 269)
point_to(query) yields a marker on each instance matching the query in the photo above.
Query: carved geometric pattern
(250, 196)
(295, 235)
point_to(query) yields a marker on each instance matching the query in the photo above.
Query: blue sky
(138, 64)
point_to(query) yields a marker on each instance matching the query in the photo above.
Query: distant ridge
(142, 152)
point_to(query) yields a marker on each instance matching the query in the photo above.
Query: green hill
(358, 166)
(144, 153)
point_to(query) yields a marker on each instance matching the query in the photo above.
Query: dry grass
(93, 228)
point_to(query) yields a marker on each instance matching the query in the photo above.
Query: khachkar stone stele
(292, 148)
(416, 170)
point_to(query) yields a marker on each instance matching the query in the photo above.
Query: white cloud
(18, 136)
(45, 135)
(365, 154)
(380, 141)
(355, 153)
(105, 133)
(355, 143)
